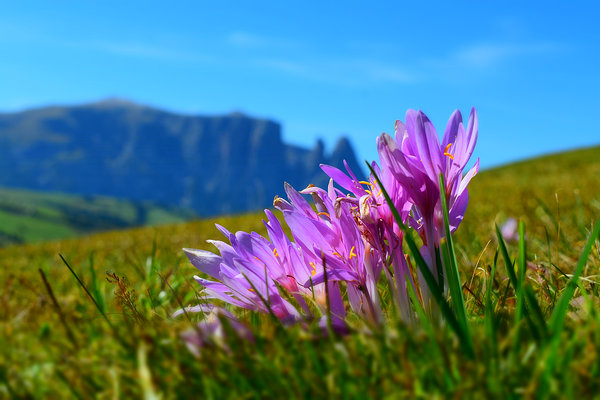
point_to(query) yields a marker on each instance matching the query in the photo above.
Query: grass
(535, 330)
(29, 216)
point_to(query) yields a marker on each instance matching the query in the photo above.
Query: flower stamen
(446, 151)
(352, 253)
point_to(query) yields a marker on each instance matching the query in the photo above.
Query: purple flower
(416, 159)
(375, 220)
(509, 230)
(210, 331)
(348, 239)
(245, 271)
(329, 236)
(297, 268)
(250, 271)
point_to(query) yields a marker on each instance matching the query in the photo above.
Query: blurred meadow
(57, 343)
(129, 129)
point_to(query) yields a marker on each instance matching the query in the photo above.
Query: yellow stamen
(368, 191)
(324, 213)
(275, 253)
(446, 151)
(366, 183)
(378, 193)
(352, 253)
(314, 269)
(335, 253)
(251, 290)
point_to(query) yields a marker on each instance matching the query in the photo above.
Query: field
(55, 342)
(29, 216)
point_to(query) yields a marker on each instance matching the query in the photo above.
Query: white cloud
(341, 71)
(246, 39)
(489, 54)
(286, 66)
(382, 72)
(253, 41)
(140, 50)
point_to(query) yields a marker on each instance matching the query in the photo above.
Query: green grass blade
(507, 261)
(557, 318)
(520, 277)
(96, 290)
(427, 327)
(490, 285)
(560, 310)
(86, 291)
(430, 280)
(535, 312)
(525, 295)
(490, 321)
(61, 315)
(451, 267)
(520, 306)
(522, 253)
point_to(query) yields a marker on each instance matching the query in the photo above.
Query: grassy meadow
(31, 216)
(56, 342)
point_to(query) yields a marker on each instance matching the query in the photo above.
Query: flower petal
(340, 178)
(205, 261)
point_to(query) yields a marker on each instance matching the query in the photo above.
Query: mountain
(211, 164)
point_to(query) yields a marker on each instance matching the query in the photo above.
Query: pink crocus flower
(329, 237)
(375, 220)
(416, 158)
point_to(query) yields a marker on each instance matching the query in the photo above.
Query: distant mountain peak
(115, 102)
(343, 144)
(115, 147)
(238, 114)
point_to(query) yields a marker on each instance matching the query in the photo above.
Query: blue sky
(322, 69)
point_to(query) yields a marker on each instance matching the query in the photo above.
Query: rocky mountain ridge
(212, 164)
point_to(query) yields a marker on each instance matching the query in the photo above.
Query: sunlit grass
(520, 347)
(29, 216)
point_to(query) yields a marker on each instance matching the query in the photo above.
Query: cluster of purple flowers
(343, 242)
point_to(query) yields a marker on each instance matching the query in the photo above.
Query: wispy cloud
(486, 55)
(352, 72)
(484, 60)
(246, 39)
(480, 58)
(369, 66)
(388, 73)
(254, 41)
(141, 50)
(285, 66)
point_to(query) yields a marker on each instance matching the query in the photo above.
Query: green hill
(557, 194)
(28, 216)
(138, 352)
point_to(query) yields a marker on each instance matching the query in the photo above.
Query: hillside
(28, 216)
(212, 164)
(556, 195)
